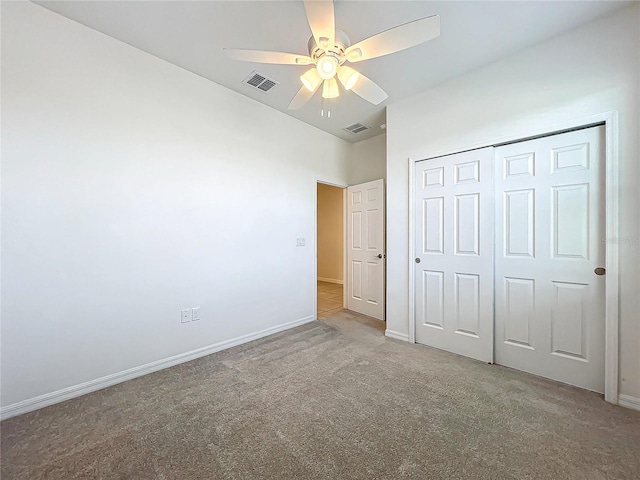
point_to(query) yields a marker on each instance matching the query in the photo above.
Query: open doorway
(330, 249)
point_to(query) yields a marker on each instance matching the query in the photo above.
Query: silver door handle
(600, 271)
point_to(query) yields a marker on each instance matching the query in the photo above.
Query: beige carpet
(330, 400)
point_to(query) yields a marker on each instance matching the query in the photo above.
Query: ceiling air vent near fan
(356, 128)
(259, 81)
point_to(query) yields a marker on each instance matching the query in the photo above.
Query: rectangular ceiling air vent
(356, 128)
(260, 81)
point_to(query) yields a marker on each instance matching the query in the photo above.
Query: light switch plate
(195, 314)
(300, 242)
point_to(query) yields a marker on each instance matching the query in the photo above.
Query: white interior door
(454, 253)
(365, 248)
(549, 240)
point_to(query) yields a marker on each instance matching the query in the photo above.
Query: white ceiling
(192, 34)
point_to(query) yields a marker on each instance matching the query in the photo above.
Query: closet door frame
(610, 122)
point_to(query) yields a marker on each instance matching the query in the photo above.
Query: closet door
(550, 228)
(454, 253)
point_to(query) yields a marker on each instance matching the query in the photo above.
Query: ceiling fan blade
(261, 56)
(322, 21)
(302, 97)
(369, 90)
(395, 39)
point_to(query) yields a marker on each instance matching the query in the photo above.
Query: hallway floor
(330, 299)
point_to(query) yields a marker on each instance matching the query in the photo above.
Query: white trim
(345, 244)
(74, 391)
(612, 200)
(397, 335)
(412, 253)
(384, 249)
(629, 402)
(330, 280)
(611, 329)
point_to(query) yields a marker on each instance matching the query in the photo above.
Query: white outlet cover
(185, 315)
(300, 242)
(195, 314)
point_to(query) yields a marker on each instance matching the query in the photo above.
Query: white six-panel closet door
(549, 242)
(454, 253)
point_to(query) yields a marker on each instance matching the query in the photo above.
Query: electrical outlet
(185, 315)
(195, 314)
(300, 242)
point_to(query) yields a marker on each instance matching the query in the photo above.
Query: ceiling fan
(331, 49)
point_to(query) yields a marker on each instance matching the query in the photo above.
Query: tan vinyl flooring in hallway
(330, 299)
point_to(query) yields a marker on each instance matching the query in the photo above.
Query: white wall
(588, 71)
(132, 189)
(368, 160)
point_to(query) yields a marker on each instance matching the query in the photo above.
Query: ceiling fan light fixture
(327, 66)
(348, 77)
(329, 49)
(330, 88)
(311, 79)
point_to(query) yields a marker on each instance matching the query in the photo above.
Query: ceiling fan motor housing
(341, 42)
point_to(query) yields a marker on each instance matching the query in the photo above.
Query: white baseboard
(629, 402)
(74, 391)
(397, 335)
(330, 280)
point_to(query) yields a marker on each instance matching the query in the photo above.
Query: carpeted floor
(328, 400)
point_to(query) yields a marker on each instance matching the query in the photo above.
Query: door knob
(600, 271)
(417, 260)
(379, 255)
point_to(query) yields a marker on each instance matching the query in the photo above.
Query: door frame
(316, 181)
(612, 201)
